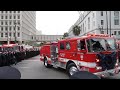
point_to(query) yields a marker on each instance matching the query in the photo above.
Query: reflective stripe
(81, 63)
(41, 57)
(87, 64)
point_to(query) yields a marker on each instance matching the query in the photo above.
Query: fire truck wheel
(46, 63)
(71, 69)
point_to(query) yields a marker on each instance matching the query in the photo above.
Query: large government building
(104, 22)
(17, 26)
(20, 27)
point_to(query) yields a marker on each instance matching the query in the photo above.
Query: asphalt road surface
(33, 68)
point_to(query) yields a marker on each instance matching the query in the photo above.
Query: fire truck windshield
(101, 44)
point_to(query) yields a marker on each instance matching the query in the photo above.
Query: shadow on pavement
(8, 72)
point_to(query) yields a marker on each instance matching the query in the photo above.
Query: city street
(33, 68)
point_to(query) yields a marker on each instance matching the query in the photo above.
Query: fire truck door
(54, 52)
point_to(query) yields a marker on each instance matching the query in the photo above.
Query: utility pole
(7, 35)
(15, 32)
(107, 21)
(110, 23)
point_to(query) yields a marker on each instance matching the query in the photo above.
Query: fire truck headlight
(97, 60)
(117, 63)
(98, 68)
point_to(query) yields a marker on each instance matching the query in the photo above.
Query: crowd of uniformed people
(13, 54)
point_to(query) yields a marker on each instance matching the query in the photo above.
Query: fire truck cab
(93, 53)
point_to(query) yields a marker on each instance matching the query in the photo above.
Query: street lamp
(16, 23)
(110, 23)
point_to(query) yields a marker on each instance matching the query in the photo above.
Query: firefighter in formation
(12, 54)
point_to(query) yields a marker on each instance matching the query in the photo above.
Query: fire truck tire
(71, 69)
(46, 63)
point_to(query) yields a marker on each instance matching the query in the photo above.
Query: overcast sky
(55, 22)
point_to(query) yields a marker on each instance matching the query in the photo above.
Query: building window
(18, 11)
(6, 23)
(116, 13)
(5, 17)
(102, 32)
(102, 22)
(32, 37)
(14, 17)
(10, 11)
(1, 23)
(116, 17)
(10, 28)
(1, 34)
(2, 11)
(18, 17)
(10, 22)
(18, 35)
(116, 22)
(14, 11)
(10, 17)
(1, 28)
(14, 28)
(118, 32)
(6, 11)
(14, 34)
(6, 28)
(115, 32)
(101, 13)
(19, 22)
(18, 28)
(6, 34)
(2, 17)
(10, 34)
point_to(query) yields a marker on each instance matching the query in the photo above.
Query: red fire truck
(96, 54)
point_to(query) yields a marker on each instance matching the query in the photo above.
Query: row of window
(116, 13)
(114, 33)
(9, 28)
(9, 23)
(10, 17)
(116, 22)
(10, 35)
(10, 11)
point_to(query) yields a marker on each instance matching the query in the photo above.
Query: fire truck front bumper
(108, 73)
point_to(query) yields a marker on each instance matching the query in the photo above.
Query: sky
(55, 22)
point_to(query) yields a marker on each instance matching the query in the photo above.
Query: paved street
(33, 68)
